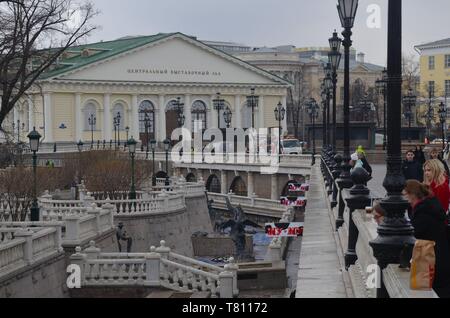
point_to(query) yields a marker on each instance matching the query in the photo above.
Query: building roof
(435, 44)
(99, 51)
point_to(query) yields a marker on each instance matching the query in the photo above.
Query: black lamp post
(409, 101)
(324, 96)
(92, 122)
(253, 103)
(80, 146)
(381, 85)
(147, 137)
(219, 105)
(328, 89)
(395, 234)
(117, 120)
(443, 120)
(132, 150)
(313, 112)
(166, 149)
(280, 113)
(34, 138)
(153, 146)
(19, 128)
(227, 116)
(127, 130)
(347, 11)
(335, 60)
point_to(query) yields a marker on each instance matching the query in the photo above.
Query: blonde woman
(436, 178)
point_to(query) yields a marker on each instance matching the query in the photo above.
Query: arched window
(118, 109)
(239, 187)
(191, 178)
(213, 184)
(199, 115)
(147, 113)
(90, 116)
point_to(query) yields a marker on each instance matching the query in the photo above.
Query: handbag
(423, 265)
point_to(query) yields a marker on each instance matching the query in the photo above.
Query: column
(284, 122)
(187, 112)
(135, 119)
(107, 118)
(224, 182)
(162, 118)
(48, 118)
(30, 113)
(275, 195)
(78, 118)
(261, 113)
(238, 112)
(251, 184)
(214, 123)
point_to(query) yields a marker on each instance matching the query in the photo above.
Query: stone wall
(198, 215)
(46, 279)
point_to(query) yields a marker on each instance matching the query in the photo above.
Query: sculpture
(237, 225)
(122, 235)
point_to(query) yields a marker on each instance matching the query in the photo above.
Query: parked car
(292, 147)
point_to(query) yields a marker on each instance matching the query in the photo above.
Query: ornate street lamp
(92, 120)
(328, 81)
(127, 130)
(313, 112)
(381, 85)
(324, 96)
(153, 146)
(395, 233)
(280, 113)
(219, 105)
(443, 120)
(147, 136)
(227, 116)
(253, 103)
(409, 101)
(347, 11)
(132, 150)
(166, 149)
(34, 138)
(117, 120)
(19, 129)
(334, 59)
(80, 146)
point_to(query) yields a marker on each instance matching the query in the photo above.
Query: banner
(275, 230)
(296, 187)
(293, 202)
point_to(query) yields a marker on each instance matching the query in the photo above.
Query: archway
(161, 175)
(238, 187)
(191, 178)
(146, 121)
(213, 184)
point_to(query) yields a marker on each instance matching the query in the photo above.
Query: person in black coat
(412, 169)
(428, 220)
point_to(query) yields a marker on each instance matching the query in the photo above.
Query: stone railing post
(59, 238)
(253, 198)
(28, 247)
(357, 198)
(226, 285)
(72, 227)
(153, 268)
(163, 250)
(79, 260)
(45, 205)
(88, 200)
(233, 268)
(92, 252)
(110, 208)
(336, 173)
(93, 210)
(274, 252)
(165, 198)
(82, 191)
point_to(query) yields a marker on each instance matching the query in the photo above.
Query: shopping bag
(423, 265)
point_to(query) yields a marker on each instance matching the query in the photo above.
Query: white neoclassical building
(139, 80)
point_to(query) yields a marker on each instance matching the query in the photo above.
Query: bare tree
(298, 94)
(411, 72)
(33, 36)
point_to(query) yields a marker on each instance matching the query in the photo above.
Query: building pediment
(174, 59)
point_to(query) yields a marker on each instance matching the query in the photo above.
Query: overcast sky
(271, 22)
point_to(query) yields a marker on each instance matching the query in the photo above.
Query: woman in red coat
(436, 178)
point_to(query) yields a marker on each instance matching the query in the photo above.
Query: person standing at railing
(411, 168)
(428, 221)
(436, 178)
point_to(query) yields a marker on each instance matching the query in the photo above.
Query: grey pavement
(320, 272)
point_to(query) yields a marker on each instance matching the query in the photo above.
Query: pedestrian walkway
(320, 270)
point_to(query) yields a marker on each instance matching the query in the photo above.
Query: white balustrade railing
(249, 202)
(28, 246)
(160, 267)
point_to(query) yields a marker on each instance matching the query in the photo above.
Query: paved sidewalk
(320, 274)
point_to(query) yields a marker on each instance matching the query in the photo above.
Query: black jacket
(428, 220)
(412, 170)
(445, 166)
